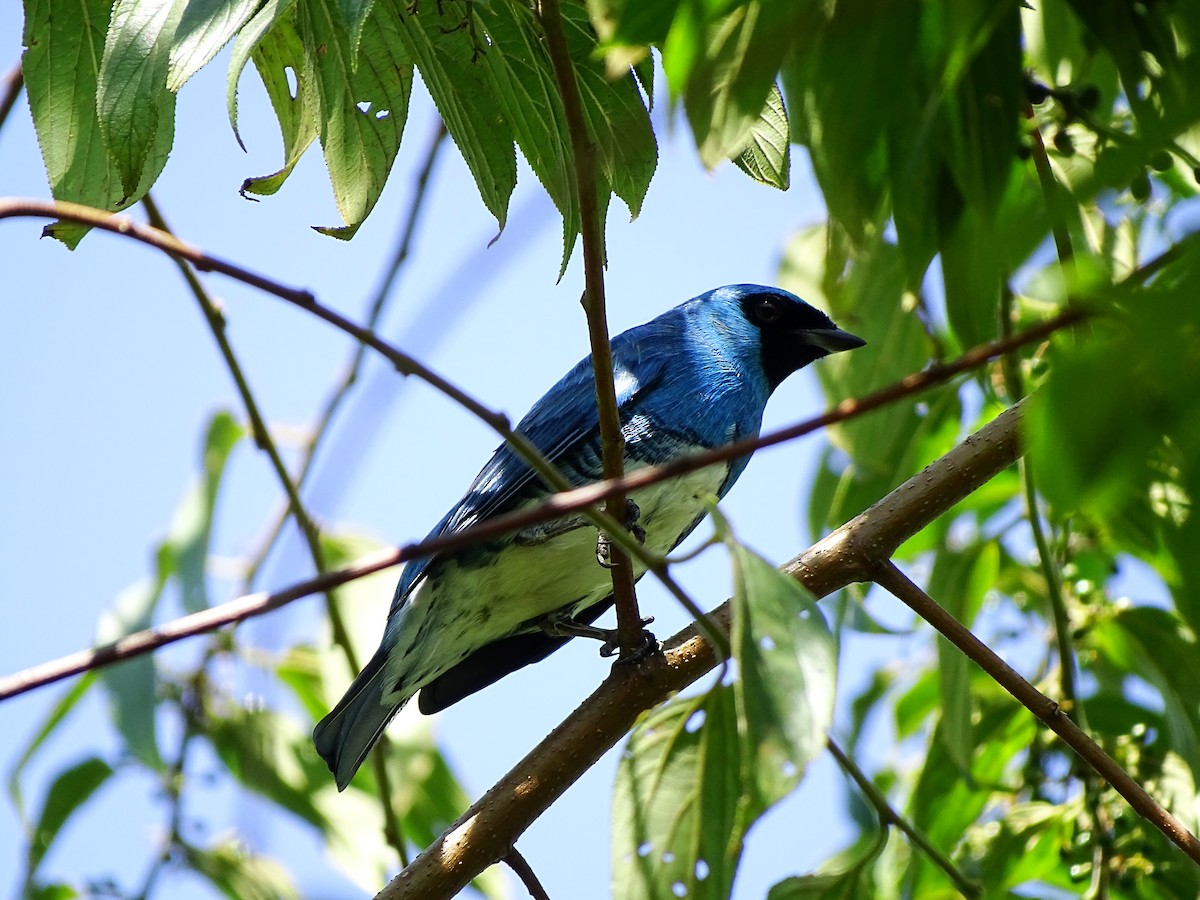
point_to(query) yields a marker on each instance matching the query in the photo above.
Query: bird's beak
(832, 340)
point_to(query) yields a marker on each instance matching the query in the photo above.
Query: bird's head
(790, 332)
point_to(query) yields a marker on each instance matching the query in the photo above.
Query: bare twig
(10, 90)
(1051, 190)
(612, 443)
(520, 866)
(888, 815)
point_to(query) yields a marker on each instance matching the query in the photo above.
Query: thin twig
(1051, 189)
(888, 815)
(591, 227)
(10, 90)
(521, 868)
(556, 507)
(891, 579)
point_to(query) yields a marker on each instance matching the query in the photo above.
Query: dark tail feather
(346, 735)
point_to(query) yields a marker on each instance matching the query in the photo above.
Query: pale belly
(463, 608)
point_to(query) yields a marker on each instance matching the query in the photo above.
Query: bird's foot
(561, 624)
(604, 542)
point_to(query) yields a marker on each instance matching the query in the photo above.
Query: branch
(591, 227)
(889, 816)
(485, 832)
(559, 505)
(10, 90)
(893, 580)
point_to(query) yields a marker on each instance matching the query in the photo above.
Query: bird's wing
(564, 426)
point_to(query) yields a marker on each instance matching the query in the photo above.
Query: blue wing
(564, 426)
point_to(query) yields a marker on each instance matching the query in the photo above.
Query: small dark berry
(1063, 143)
(1024, 151)
(1161, 161)
(1140, 188)
(1196, 174)
(1036, 92)
(1088, 97)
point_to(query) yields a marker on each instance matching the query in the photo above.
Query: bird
(694, 378)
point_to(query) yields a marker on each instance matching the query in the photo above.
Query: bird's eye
(767, 310)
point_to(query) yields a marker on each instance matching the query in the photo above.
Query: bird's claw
(604, 543)
(563, 625)
(612, 645)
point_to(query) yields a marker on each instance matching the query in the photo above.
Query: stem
(889, 816)
(10, 90)
(612, 442)
(520, 866)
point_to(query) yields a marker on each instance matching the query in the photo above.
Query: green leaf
(523, 77)
(240, 875)
(58, 712)
(363, 107)
(132, 685)
(271, 756)
(787, 666)
(70, 789)
(261, 24)
(675, 802)
(959, 581)
(204, 28)
(846, 876)
(191, 528)
(131, 95)
(726, 72)
(465, 96)
(61, 67)
(767, 156)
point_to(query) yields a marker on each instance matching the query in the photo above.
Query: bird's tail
(347, 734)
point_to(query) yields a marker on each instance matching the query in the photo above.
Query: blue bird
(694, 378)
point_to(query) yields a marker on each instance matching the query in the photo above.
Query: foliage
(984, 164)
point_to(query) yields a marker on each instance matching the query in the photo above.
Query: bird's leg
(561, 624)
(604, 542)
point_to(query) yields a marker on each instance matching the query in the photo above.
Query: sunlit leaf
(70, 790)
(767, 156)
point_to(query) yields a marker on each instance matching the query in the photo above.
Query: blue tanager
(694, 378)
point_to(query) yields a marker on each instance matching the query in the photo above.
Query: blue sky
(107, 375)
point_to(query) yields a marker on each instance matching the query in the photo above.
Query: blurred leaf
(465, 98)
(959, 580)
(132, 685)
(238, 874)
(362, 92)
(58, 712)
(71, 788)
(767, 157)
(132, 99)
(191, 528)
(845, 876)
(269, 755)
(204, 28)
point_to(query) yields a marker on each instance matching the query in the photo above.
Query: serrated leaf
(260, 25)
(363, 101)
(132, 685)
(69, 790)
(204, 28)
(191, 527)
(466, 99)
(239, 874)
(767, 156)
(61, 67)
(675, 802)
(280, 61)
(131, 95)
